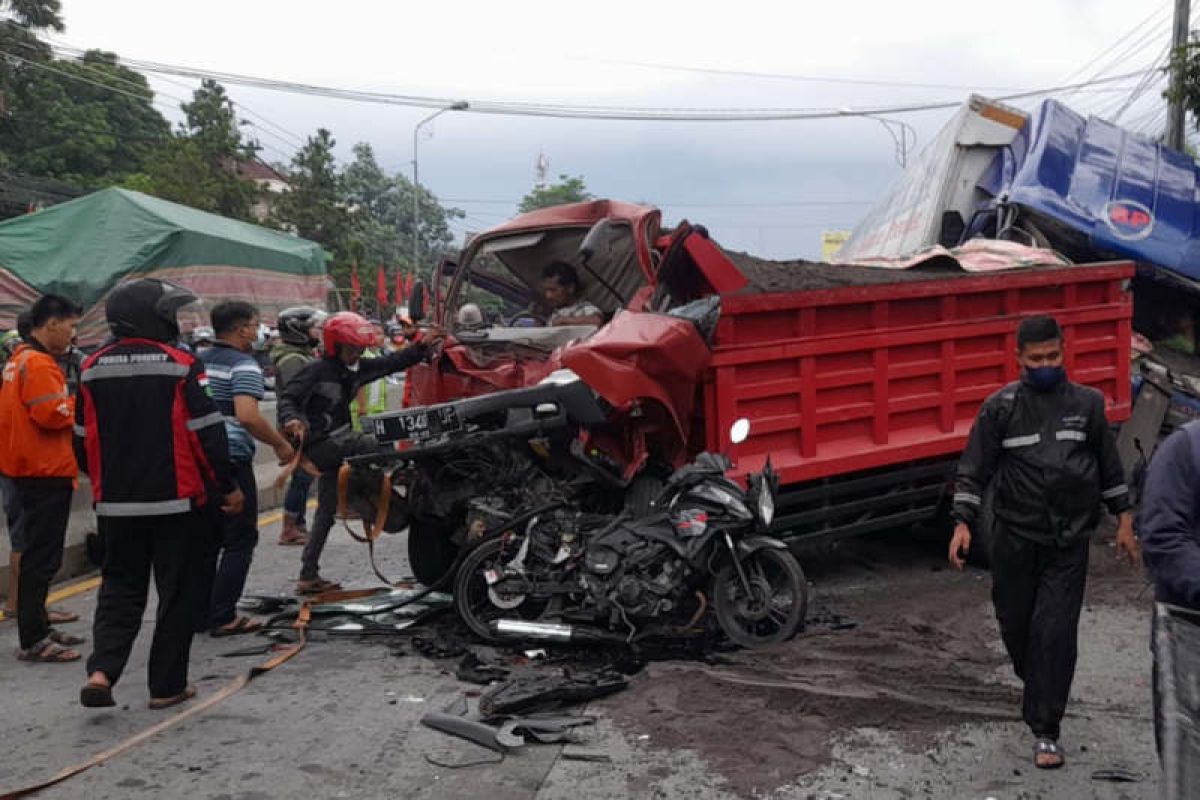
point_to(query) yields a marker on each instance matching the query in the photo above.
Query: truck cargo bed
(862, 376)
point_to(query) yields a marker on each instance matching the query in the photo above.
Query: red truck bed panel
(840, 380)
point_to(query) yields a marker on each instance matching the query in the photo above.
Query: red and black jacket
(147, 433)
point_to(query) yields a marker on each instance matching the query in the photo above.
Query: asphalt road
(898, 689)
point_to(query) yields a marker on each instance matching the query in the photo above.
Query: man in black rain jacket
(1043, 449)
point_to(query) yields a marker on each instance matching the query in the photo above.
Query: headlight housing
(766, 505)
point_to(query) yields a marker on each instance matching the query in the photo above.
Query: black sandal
(1047, 747)
(96, 695)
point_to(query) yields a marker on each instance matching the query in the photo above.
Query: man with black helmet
(315, 409)
(154, 444)
(298, 330)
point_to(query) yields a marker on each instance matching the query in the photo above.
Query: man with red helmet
(315, 409)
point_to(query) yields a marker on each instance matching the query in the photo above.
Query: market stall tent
(84, 248)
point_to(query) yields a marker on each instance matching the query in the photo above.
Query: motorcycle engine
(631, 576)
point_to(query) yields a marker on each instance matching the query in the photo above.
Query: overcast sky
(769, 187)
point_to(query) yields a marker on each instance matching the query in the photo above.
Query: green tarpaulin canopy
(82, 249)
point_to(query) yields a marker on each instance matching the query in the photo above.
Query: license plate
(418, 425)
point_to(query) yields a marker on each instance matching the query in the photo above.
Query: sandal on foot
(96, 695)
(293, 540)
(57, 617)
(316, 586)
(237, 627)
(65, 639)
(159, 703)
(1048, 749)
(47, 652)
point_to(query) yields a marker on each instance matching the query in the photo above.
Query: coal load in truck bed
(805, 276)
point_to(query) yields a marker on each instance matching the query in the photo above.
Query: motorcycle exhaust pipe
(552, 632)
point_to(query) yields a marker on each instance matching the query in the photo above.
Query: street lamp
(461, 105)
(900, 133)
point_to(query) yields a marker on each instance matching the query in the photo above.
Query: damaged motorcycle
(566, 575)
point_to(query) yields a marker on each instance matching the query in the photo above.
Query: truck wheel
(641, 494)
(983, 532)
(431, 552)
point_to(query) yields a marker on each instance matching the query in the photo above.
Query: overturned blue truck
(1086, 188)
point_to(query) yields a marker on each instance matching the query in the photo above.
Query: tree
(198, 166)
(381, 211)
(313, 206)
(90, 121)
(1187, 60)
(567, 190)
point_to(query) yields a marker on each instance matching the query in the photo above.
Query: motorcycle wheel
(472, 599)
(777, 604)
(431, 552)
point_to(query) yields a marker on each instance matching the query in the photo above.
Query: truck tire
(431, 551)
(983, 532)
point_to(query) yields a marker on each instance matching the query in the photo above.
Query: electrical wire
(580, 111)
(1131, 32)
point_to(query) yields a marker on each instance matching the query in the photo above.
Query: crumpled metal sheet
(548, 690)
(393, 600)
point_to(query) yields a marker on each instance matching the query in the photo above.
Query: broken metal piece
(1117, 775)
(469, 729)
(413, 601)
(551, 690)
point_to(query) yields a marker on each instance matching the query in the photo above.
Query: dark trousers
(296, 497)
(1038, 593)
(134, 547)
(43, 506)
(236, 539)
(322, 523)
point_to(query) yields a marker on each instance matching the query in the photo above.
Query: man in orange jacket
(37, 414)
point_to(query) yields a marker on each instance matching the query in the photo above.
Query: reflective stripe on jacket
(36, 414)
(152, 439)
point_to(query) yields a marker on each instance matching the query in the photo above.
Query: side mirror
(598, 241)
(739, 431)
(416, 302)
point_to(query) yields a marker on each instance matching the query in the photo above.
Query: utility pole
(1175, 112)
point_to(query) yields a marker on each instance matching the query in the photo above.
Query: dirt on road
(898, 646)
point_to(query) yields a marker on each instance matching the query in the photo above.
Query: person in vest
(299, 334)
(154, 444)
(36, 416)
(1043, 446)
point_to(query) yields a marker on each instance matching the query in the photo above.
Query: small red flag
(400, 295)
(408, 285)
(381, 295)
(355, 288)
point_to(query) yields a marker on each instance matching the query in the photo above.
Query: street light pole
(461, 105)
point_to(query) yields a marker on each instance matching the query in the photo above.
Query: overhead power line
(581, 111)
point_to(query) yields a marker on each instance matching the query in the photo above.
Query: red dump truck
(860, 384)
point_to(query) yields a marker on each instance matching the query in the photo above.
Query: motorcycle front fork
(737, 564)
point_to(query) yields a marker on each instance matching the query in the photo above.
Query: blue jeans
(296, 498)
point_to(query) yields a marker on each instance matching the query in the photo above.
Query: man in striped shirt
(235, 381)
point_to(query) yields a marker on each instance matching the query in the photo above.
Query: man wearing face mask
(314, 410)
(235, 381)
(1044, 446)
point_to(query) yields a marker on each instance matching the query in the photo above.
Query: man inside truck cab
(560, 290)
(1042, 452)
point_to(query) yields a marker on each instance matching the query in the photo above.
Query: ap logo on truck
(1129, 219)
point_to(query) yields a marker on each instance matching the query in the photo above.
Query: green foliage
(381, 214)
(312, 207)
(70, 124)
(567, 189)
(198, 165)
